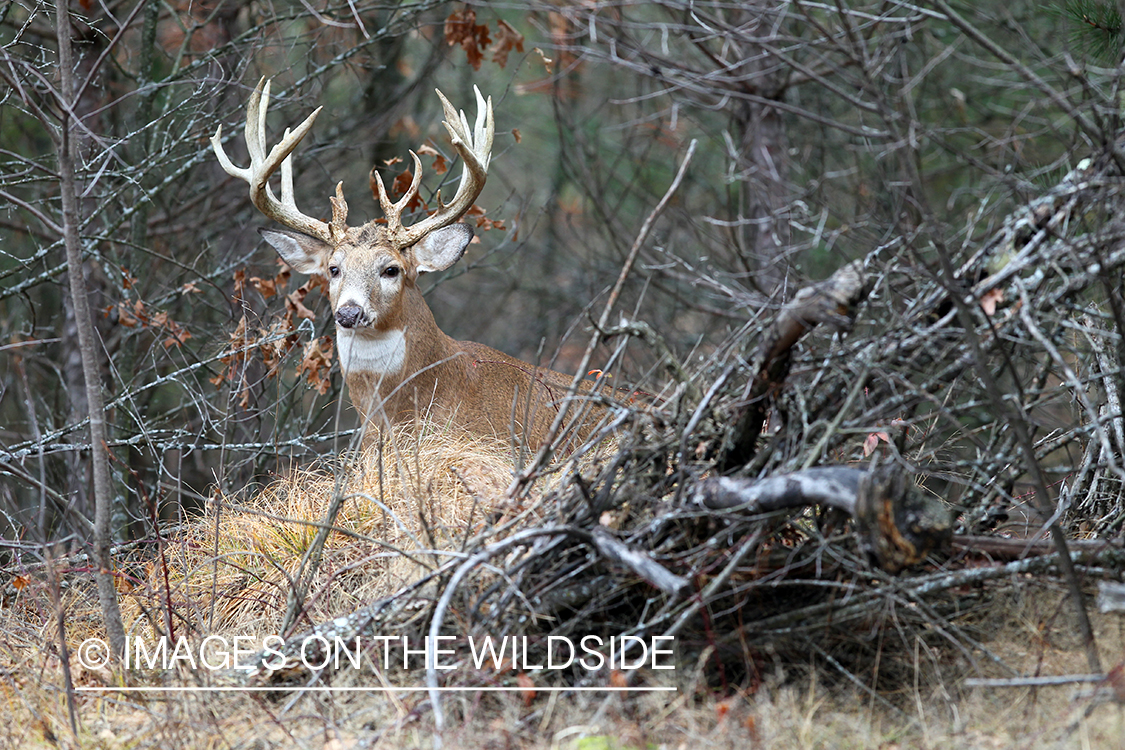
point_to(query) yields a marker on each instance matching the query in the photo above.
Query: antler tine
(393, 211)
(255, 130)
(484, 128)
(475, 148)
(263, 165)
(474, 145)
(287, 197)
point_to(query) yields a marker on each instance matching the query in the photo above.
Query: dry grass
(419, 496)
(427, 495)
(786, 712)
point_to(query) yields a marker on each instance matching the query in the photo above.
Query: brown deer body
(397, 363)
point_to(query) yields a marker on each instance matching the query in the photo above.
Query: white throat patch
(381, 354)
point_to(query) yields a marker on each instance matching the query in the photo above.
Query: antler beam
(475, 148)
(263, 165)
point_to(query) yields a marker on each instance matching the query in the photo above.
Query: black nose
(348, 316)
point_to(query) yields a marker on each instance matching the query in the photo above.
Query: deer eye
(333, 271)
(391, 272)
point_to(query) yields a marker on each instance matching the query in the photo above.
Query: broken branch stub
(897, 524)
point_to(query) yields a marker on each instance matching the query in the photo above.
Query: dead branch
(895, 523)
(831, 302)
(1111, 596)
(640, 563)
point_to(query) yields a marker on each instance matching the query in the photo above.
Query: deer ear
(441, 248)
(304, 253)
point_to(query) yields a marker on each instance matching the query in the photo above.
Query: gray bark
(99, 456)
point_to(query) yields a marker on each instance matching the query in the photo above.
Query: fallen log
(896, 524)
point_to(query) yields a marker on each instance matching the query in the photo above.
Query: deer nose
(348, 316)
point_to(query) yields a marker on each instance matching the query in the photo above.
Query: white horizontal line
(283, 688)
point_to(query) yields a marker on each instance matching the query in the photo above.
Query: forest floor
(793, 700)
(792, 706)
(785, 711)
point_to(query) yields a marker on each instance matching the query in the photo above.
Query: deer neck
(401, 361)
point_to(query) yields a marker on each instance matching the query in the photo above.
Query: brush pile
(850, 474)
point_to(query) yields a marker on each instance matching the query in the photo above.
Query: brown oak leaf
(507, 39)
(461, 28)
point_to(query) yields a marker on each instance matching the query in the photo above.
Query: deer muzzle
(349, 316)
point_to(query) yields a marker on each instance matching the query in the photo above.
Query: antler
(475, 148)
(263, 165)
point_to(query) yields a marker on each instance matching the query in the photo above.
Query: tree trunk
(99, 455)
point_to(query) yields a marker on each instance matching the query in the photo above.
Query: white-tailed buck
(397, 363)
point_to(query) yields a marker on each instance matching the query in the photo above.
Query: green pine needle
(1096, 26)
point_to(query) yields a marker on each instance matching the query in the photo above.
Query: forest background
(968, 154)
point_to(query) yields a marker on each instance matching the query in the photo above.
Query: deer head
(370, 268)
